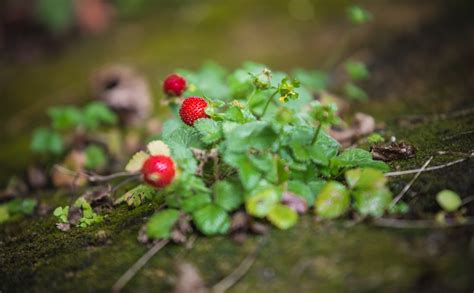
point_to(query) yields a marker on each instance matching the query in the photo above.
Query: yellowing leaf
(158, 147)
(136, 162)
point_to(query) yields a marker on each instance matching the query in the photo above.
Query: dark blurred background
(49, 48)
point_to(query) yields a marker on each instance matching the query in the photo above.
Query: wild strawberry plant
(257, 142)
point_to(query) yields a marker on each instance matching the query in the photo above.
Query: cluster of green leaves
(88, 216)
(270, 137)
(16, 208)
(67, 120)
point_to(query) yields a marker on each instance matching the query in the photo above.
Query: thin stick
(95, 177)
(467, 200)
(414, 171)
(458, 135)
(419, 224)
(407, 187)
(229, 281)
(132, 271)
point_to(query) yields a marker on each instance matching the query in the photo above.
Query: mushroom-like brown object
(125, 91)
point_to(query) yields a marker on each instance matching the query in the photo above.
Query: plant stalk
(268, 103)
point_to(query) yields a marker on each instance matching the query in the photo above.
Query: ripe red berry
(192, 109)
(174, 85)
(158, 171)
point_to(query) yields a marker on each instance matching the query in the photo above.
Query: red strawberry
(158, 171)
(192, 109)
(174, 85)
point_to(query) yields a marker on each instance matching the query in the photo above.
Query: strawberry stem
(268, 103)
(316, 133)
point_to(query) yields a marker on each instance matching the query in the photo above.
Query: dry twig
(132, 271)
(229, 281)
(414, 171)
(407, 187)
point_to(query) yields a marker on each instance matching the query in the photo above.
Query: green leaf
(135, 196)
(316, 186)
(249, 175)
(351, 158)
(259, 203)
(258, 134)
(22, 206)
(95, 157)
(303, 190)
(448, 200)
(96, 114)
(195, 202)
(64, 118)
(161, 223)
(399, 208)
(180, 141)
(375, 138)
(324, 149)
(300, 152)
(365, 178)
(333, 200)
(238, 114)
(357, 70)
(57, 15)
(209, 129)
(212, 220)
(62, 213)
(372, 202)
(46, 141)
(354, 92)
(282, 216)
(227, 195)
(358, 15)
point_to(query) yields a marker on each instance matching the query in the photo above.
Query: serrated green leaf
(135, 196)
(372, 202)
(333, 200)
(259, 202)
(210, 130)
(448, 200)
(180, 141)
(282, 216)
(161, 224)
(323, 149)
(195, 202)
(257, 134)
(227, 195)
(351, 158)
(211, 220)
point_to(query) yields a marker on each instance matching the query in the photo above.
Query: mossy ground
(314, 256)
